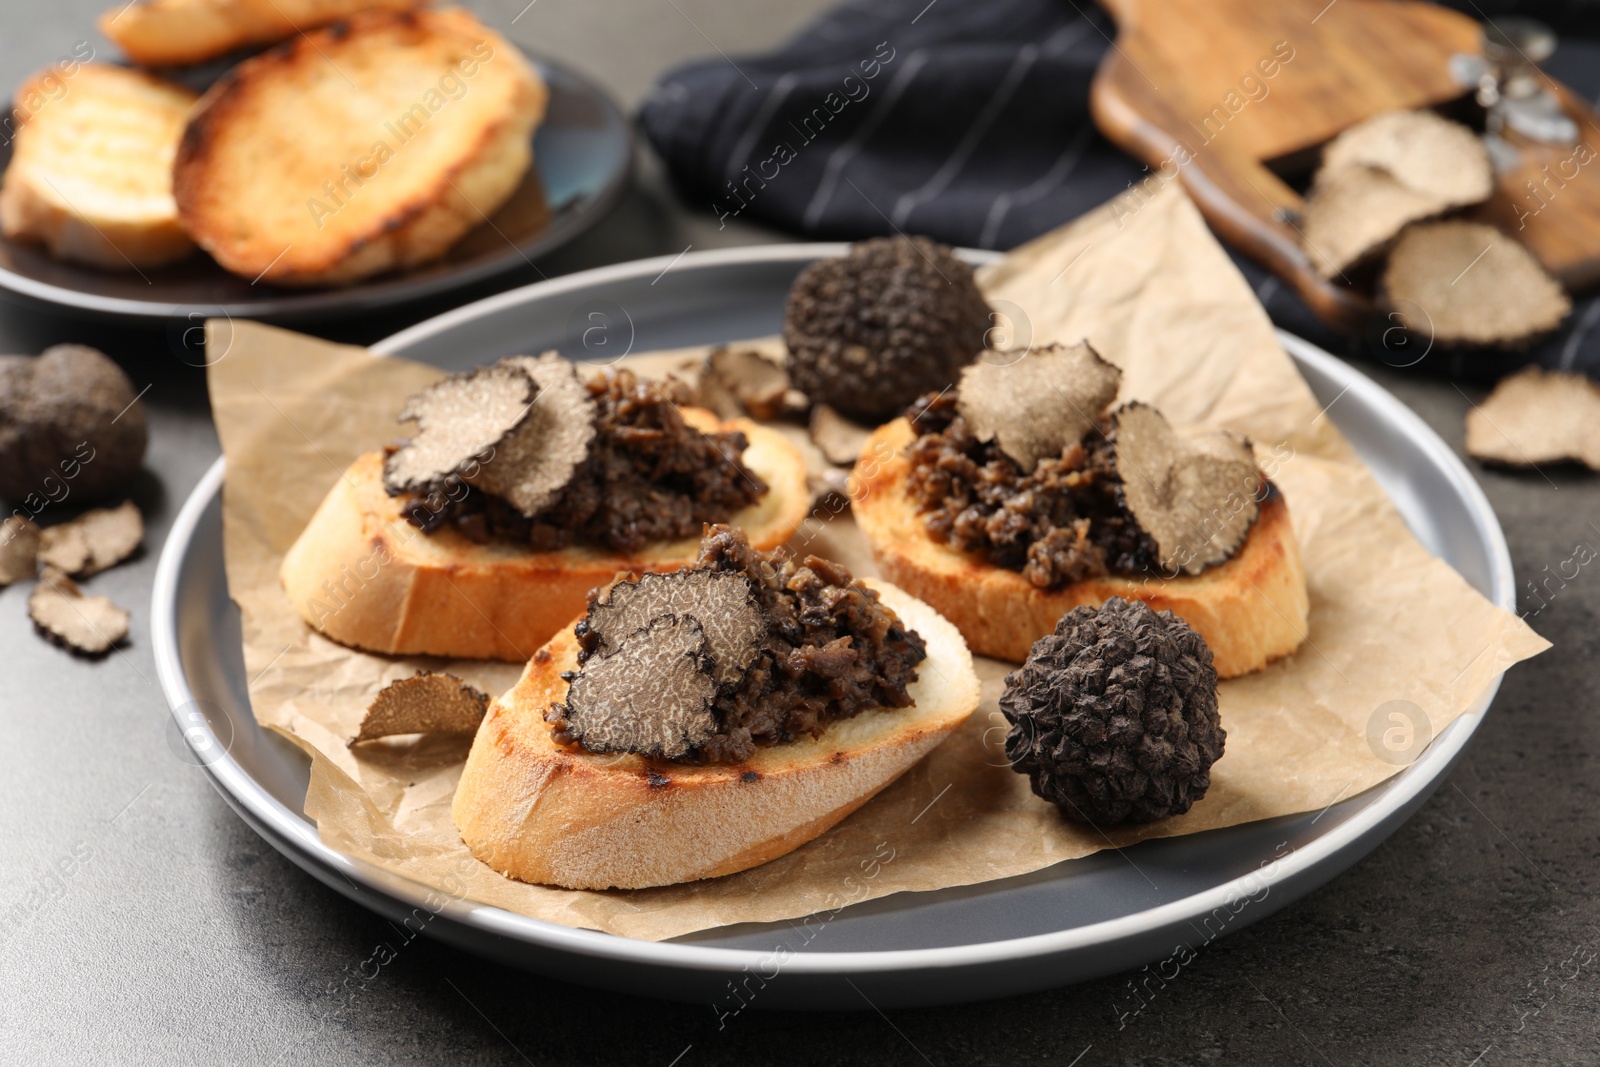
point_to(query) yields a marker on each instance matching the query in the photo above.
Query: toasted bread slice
(540, 812)
(169, 33)
(367, 146)
(362, 574)
(91, 174)
(1250, 610)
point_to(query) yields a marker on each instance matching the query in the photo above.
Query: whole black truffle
(1114, 716)
(69, 418)
(872, 330)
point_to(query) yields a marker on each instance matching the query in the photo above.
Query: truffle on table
(425, 703)
(723, 602)
(93, 541)
(1036, 403)
(19, 550)
(1197, 497)
(653, 695)
(1467, 283)
(870, 331)
(1538, 416)
(92, 625)
(1113, 717)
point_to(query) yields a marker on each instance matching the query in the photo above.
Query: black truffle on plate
(872, 330)
(70, 416)
(1114, 716)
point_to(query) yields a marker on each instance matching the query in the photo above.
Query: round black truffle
(872, 330)
(69, 417)
(1114, 716)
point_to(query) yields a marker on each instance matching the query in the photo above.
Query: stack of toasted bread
(374, 137)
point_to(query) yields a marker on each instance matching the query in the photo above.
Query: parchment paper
(1155, 294)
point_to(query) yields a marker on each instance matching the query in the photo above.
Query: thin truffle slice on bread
(363, 575)
(367, 146)
(1250, 610)
(542, 812)
(168, 33)
(91, 174)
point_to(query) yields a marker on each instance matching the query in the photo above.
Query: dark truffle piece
(93, 541)
(92, 625)
(892, 319)
(535, 461)
(425, 703)
(724, 603)
(1035, 403)
(742, 381)
(68, 417)
(651, 696)
(460, 419)
(1114, 715)
(1197, 497)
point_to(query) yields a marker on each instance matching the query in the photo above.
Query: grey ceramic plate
(583, 156)
(1077, 920)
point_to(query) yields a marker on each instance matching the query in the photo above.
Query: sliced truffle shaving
(1037, 404)
(724, 603)
(1427, 153)
(1380, 175)
(737, 381)
(651, 696)
(1196, 497)
(19, 549)
(459, 419)
(1468, 283)
(535, 461)
(88, 624)
(838, 438)
(1537, 416)
(93, 541)
(1353, 213)
(425, 703)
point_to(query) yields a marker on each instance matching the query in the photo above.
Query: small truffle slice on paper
(93, 541)
(536, 460)
(458, 419)
(723, 602)
(88, 624)
(1468, 283)
(1196, 497)
(1037, 402)
(19, 550)
(738, 381)
(652, 696)
(1538, 416)
(425, 703)
(839, 439)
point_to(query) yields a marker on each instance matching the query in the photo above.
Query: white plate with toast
(581, 164)
(1071, 922)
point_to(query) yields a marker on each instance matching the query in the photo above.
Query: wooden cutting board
(1229, 94)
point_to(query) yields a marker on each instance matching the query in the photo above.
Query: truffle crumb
(1197, 498)
(460, 419)
(1467, 283)
(1537, 416)
(1037, 402)
(870, 331)
(93, 541)
(425, 703)
(536, 461)
(1114, 715)
(652, 695)
(92, 625)
(839, 439)
(19, 550)
(724, 602)
(740, 381)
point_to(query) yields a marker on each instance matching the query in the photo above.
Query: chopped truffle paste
(829, 649)
(640, 473)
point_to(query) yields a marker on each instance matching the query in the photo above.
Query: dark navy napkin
(968, 121)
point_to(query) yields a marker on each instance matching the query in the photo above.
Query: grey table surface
(179, 936)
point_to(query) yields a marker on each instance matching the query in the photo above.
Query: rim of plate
(296, 830)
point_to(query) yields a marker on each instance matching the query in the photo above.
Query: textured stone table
(179, 936)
